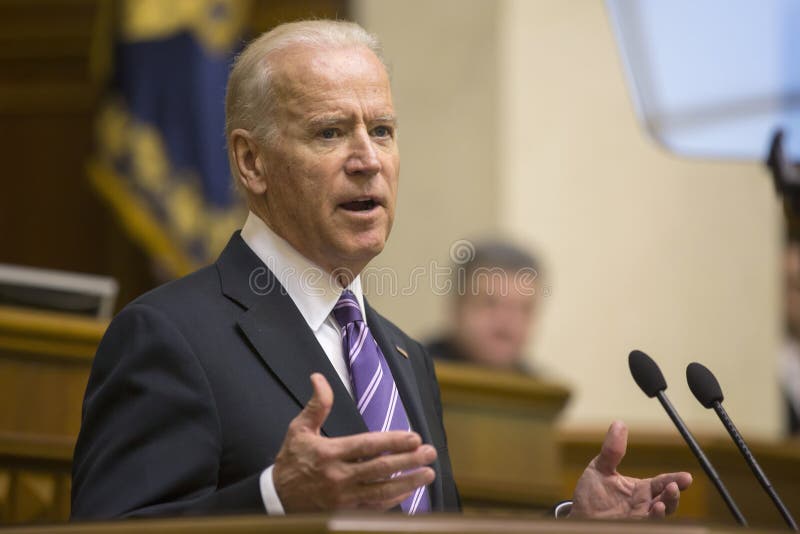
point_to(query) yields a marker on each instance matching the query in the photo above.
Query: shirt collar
(311, 288)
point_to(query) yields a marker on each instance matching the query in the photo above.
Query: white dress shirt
(314, 293)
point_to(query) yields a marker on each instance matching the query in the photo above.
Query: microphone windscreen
(646, 373)
(703, 384)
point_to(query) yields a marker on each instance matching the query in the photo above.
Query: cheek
(394, 164)
(306, 188)
(391, 172)
(481, 321)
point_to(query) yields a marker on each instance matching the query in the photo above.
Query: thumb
(318, 406)
(613, 449)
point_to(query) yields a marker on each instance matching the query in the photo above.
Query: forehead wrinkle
(306, 77)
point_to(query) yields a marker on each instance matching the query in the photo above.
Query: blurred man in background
(494, 307)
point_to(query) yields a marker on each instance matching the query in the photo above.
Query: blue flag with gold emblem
(161, 157)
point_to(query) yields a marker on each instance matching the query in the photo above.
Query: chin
(353, 257)
(366, 253)
(368, 244)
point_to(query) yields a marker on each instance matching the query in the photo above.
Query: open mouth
(360, 205)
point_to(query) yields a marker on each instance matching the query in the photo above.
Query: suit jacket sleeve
(452, 499)
(150, 439)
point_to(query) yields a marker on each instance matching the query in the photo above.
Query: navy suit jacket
(194, 385)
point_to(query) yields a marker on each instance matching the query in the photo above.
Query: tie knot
(346, 310)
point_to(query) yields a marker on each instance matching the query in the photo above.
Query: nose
(363, 158)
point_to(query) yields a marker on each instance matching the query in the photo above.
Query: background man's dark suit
(195, 383)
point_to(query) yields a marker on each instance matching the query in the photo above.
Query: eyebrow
(385, 118)
(327, 120)
(333, 120)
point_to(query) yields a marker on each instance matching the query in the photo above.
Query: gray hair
(488, 256)
(250, 98)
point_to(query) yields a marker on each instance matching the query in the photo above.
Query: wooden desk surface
(369, 523)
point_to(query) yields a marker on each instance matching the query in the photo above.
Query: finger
(658, 483)
(389, 490)
(669, 497)
(657, 511)
(383, 467)
(371, 444)
(613, 449)
(318, 407)
(387, 504)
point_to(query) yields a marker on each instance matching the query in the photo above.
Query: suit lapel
(277, 332)
(280, 336)
(404, 377)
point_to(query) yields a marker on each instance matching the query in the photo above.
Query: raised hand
(603, 493)
(314, 473)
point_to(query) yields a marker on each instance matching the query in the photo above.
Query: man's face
(493, 319)
(331, 170)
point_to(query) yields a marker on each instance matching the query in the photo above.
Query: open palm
(603, 493)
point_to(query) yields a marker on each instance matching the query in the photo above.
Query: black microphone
(705, 387)
(648, 376)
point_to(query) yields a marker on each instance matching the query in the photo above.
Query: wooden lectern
(501, 436)
(500, 425)
(45, 359)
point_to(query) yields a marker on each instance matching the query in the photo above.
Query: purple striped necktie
(373, 386)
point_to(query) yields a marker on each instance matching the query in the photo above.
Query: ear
(249, 161)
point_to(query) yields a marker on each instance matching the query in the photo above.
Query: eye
(329, 133)
(382, 131)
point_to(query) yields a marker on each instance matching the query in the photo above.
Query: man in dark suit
(196, 383)
(265, 381)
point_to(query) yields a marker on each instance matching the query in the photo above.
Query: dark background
(55, 60)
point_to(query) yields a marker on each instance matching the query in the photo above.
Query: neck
(341, 272)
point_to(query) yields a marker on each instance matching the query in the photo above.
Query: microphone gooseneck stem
(701, 457)
(751, 461)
